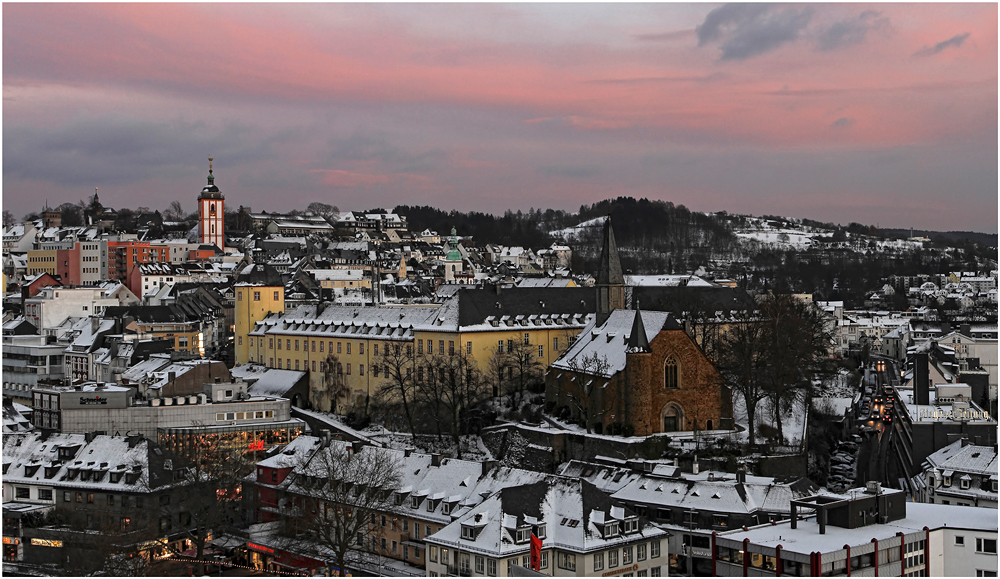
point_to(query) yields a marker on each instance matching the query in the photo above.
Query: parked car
(841, 459)
(851, 447)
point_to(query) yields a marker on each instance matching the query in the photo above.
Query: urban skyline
(878, 114)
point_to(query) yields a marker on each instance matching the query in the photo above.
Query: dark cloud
(99, 150)
(843, 123)
(955, 41)
(745, 30)
(851, 31)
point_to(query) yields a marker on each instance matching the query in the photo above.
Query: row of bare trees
(442, 393)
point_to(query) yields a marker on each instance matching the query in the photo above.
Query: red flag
(536, 552)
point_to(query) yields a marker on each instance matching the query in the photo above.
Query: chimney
(487, 466)
(356, 446)
(95, 323)
(921, 379)
(133, 440)
(436, 459)
(171, 376)
(965, 330)
(89, 437)
(407, 452)
(741, 475)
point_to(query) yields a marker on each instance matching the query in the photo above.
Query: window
(480, 564)
(654, 549)
(338, 347)
(67, 496)
(627, 555)
(420, 347)
(23, 492)
(985, 573)
(468, 348)
(441, 347)
(541, 351)
(964, 483)
(566, 561)
(510, 345)
(670, 374)
(45, 494)
(960, 540)
(544, 563)
(491, 567)
(451, 347)
(276, 295)
(239, 341)
(256, 296)
(654, 572)
(296, 345)
(986, 546)
(314, 365)
(555, 344)
(598, 561)
(314, 345)
(348, 368)
(500, 346)
(111, 500)
(321, 346)
(640, 552)
(361, 369)
(348, 347)
(79, 497)
(612, 558)
(288, 344)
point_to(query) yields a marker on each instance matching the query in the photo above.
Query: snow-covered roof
(572, 511)
(609, 341)
(968, 458)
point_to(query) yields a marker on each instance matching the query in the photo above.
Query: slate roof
(609, 270)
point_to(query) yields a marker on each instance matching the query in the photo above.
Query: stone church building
(637, 369)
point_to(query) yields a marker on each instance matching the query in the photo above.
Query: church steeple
(637, 341)
(610, 281)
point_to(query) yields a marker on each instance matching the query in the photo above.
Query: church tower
(211, 206)
(610, 281)
(453, 259)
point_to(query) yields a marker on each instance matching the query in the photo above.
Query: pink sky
(873, 113)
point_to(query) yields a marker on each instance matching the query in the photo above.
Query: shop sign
(46, 543)
(260, 548)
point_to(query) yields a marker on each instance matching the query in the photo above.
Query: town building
(53, 305)
(28, 361)
(961, 473)
(865, 532)
(582, 532)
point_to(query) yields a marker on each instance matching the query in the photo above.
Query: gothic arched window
(671, 379)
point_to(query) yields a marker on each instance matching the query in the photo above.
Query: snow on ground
(472, 449)
(572, 233)
(787, 238)
(843, 385)
(793, 421)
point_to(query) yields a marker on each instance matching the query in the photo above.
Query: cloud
(843, 123)
(955, 41)
(350, 179)
(745, 30)
(851, 31)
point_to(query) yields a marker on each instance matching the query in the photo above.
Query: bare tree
(174, 211)
(334, 385)
(8, 218)
(591, 371)
(496, 367)
(453, 388)
(742, 358)
(397, 363)
(524, 367)
(211, 477)
(341, 497)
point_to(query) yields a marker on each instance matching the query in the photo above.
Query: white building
(53, 305)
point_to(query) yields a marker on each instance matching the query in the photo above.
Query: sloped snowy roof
(609, 341)
(968, 458)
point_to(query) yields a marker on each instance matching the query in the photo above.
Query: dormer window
(446, 508)
(611, 530)
(115, 476)
(631, 525)
(415, 502)
(964, 482)
(523, 535)
(540, 531)
(468, 532)
(430, 505)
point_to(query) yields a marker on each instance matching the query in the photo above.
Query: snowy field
(573, 233)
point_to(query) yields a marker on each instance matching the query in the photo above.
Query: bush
(538, 400)
(357, 420)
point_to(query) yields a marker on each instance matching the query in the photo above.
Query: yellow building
(341, 278)
(42, 260)
(253, 303)
(476, 323)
